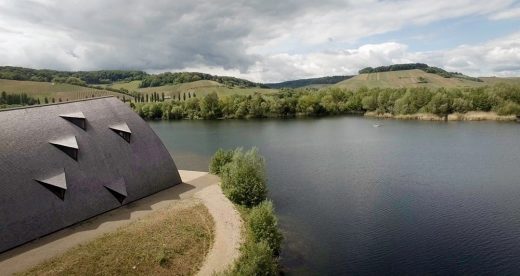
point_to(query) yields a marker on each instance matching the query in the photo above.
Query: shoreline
(469, 116)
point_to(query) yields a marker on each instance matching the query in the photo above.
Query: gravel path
(228, 224)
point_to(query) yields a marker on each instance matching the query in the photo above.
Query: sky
(262, 40)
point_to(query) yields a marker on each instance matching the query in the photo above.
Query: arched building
(63, 163)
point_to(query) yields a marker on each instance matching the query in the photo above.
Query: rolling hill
(495, 80)
(200, 88)
(41, 90)
(310, 83)
(405, 79)
(16, 80)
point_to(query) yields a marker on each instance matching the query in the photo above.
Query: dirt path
(228, 225)
(197, 185)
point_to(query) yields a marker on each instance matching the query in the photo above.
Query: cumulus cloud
(268, 40)
(511, 13)
(499, 57)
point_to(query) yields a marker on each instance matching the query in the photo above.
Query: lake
(408, 197)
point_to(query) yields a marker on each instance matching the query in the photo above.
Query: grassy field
(50, 90)
(200, 88)
(406, 78)
(167, 242)
(495, 80)
(130, 86)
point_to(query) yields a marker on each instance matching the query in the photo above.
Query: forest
(77, 78)
(501, 98)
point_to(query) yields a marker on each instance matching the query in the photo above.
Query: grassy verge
(167, 242)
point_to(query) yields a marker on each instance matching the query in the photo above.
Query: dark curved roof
(64, 163)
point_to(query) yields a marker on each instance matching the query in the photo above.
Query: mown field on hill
(495, 80)
(41, 90)
(405, 79)
(200, 88)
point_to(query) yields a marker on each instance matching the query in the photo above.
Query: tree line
(394, 67)
(16, 99)
(86, 77)
(501, 98)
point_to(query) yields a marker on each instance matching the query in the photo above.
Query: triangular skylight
(68, 145)
(122, 130)
(118, 189)
(56, 184)
(76, 118)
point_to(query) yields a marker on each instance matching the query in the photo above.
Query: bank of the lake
(469, 116)
(502, 99)
(409, 197)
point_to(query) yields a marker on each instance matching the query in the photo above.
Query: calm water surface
(408, 197)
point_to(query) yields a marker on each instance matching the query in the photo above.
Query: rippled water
(408, 197)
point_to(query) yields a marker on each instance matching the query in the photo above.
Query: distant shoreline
(469, 116)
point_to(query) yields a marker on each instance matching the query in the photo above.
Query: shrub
(263, 226)
(176, 112)
(243, 179)
(509, 108)
(256, 259)
(219, 160)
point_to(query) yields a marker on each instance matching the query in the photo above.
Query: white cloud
(511, 13)
(267, 40)
(499, 57)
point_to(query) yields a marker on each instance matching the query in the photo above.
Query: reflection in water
(409, 197)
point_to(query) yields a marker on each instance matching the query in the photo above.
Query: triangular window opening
(59, 192)
(122, 130)
(73, 153)
(77, 118)
(69, 145)
(118, 189)
(56, 184)
(82, 123)
(118, 196)
(124, 135)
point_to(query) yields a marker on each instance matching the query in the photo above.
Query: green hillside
(309, 83)
(495, 80)
(405, 79)
(200, 88)
(204, 87)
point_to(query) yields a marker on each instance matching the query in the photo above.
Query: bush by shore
(244, 183)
